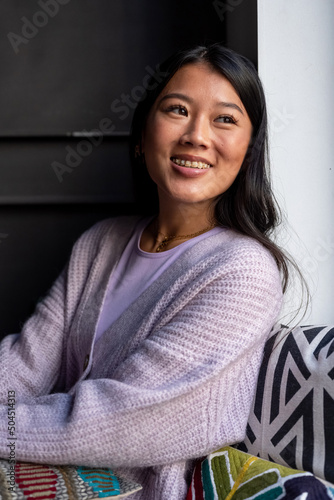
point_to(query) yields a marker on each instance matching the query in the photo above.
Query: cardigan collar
(142, 314)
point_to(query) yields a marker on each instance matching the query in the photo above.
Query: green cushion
(232, 474)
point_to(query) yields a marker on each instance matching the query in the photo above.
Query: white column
(296, 65)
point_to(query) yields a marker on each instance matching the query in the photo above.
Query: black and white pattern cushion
(292, 420)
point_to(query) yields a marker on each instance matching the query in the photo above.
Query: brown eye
(178, 109)
(228, 119)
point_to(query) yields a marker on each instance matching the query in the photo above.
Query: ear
(137, 151)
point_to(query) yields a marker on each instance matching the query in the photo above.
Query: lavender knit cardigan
(171, 380)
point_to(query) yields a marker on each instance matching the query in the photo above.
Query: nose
(196, 133)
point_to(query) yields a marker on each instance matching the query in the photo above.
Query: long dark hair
(249, 205)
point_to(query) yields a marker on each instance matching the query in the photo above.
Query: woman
(145, 354)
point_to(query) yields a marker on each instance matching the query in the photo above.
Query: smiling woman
(144, 356)
(220, 111)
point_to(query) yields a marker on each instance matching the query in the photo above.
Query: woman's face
(196, 136)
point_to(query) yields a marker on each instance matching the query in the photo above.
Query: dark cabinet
(72, 73)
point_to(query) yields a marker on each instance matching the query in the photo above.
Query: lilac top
(135, 272)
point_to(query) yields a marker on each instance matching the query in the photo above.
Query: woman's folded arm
(185, 390)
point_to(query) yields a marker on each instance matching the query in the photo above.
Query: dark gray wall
(70, 67)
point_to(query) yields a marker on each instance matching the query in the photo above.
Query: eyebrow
(231, 105)
(186, 98)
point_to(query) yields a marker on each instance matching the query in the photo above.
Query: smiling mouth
(191, 164)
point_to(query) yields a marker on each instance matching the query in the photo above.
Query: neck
(176, 220)
(184, 218)
(182, 221)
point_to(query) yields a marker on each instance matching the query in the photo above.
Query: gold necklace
(167, 238)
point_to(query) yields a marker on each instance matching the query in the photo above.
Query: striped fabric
(24, 481)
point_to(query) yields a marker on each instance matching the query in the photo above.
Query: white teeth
(191, 164)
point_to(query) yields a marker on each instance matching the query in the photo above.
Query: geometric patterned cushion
(232, 474)
(292, 419)
(25, 481)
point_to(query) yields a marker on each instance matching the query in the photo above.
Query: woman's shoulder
(243, 252)
(104, 233)
(111, 227)
(241, 263)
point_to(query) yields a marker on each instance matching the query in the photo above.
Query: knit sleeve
(186, 390)
(30, 362)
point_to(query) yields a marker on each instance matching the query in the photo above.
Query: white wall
(296, 65)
